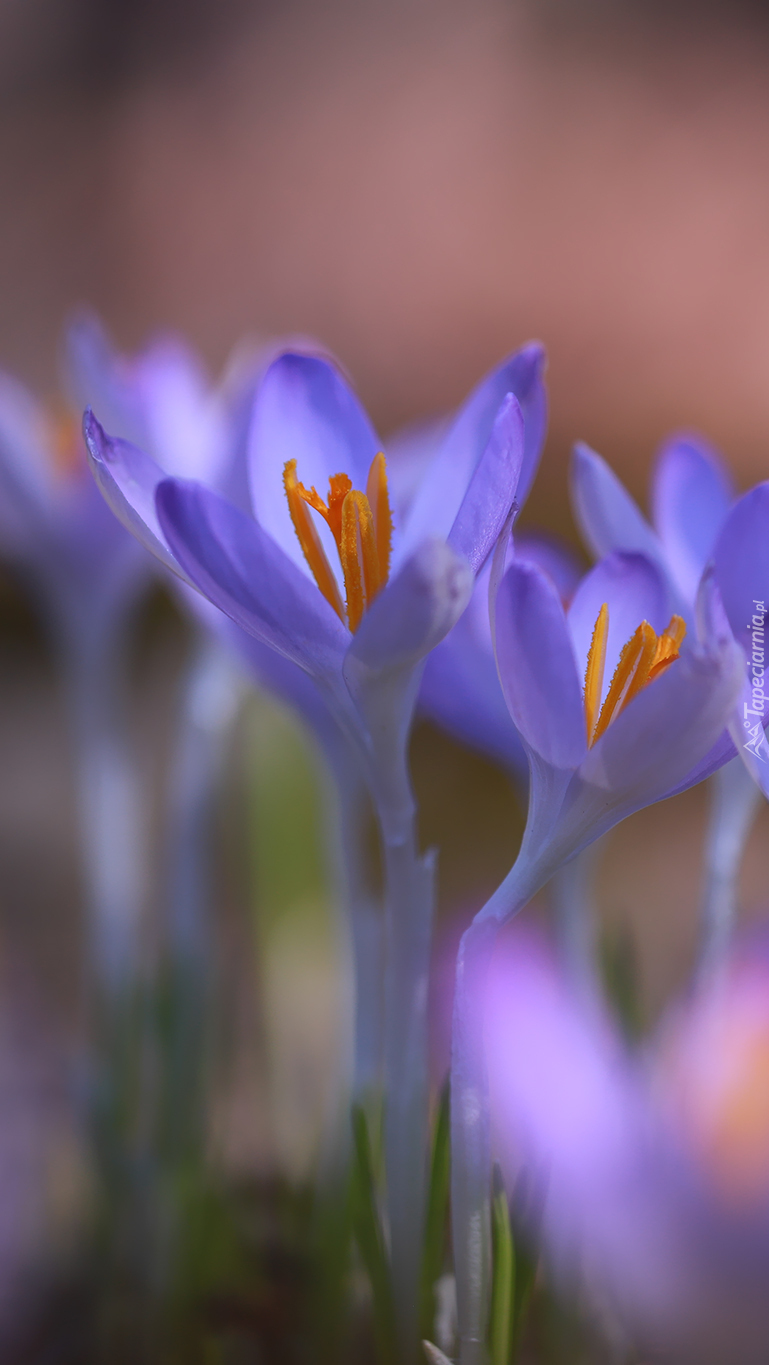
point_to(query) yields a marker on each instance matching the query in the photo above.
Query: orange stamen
(378, 495)
(361, 524)
(643, 658)
(596, 660)
(298, 500)
(630, 675)
(667, 646)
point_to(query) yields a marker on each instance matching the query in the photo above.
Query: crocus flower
(695, 521)
(643, 725)
(87, 576)
(322, 573)
(656, 1164)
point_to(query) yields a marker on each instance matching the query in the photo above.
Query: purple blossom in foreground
(253, 566)
(656, 1165)
(356, 600)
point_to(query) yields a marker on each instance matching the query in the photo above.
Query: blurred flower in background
(656, 1160)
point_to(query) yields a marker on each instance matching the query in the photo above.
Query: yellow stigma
(361, 524)
(643, 658)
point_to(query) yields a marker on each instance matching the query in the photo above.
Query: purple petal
(537, 667)
(721, 752)
(741, 559)
(415, 611)
(553, 556)
(238, 567)
(692, 494)
(460, 692)
(180, 410)
(492, 490)
(635, 591)
(128, 479)
(99, 378)
(305, 411)
(440, 496)
(750, 714)
(606, 514)
(659, 741)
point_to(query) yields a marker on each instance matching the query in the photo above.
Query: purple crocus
(87, 575)
(324, 574)
(656, 1164)
(642, 725)
(696, 521)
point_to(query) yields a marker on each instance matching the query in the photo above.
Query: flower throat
(361, 524)
(643, 658)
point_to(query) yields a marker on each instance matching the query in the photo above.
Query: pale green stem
(211, 694)
(735, 799)
(571, 892)
(409, 900)
(470, 1142)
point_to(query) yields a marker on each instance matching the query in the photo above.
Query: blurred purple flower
(656, 1165)
(691, 496)
(83, 567)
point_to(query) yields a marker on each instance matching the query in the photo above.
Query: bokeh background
(423, 185)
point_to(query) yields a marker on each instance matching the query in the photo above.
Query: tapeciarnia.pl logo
(756, 742)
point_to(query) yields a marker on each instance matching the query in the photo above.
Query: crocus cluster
(364, 582)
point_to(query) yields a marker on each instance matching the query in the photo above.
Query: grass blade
(370, 1239)
(436, 1213)
(503, 1276)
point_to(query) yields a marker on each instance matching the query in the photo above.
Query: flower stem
(735, 799)
(572, 901)
(409, 912)
(109, 807)
(212, 689)
(470, 1140)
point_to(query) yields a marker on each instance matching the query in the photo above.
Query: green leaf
(370, 1239)
(437, 1212)
(503, 1276)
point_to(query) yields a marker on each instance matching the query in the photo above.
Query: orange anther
(362, 531)
(298, 500)
(643, 658)
(596, 660)
(630, 675)
(378, 496)
(667, 646)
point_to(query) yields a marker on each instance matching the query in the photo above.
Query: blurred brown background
(424, 186)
